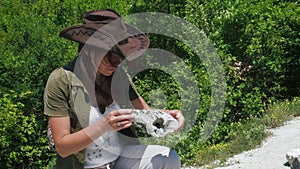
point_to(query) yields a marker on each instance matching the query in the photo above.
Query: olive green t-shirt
(57, 94)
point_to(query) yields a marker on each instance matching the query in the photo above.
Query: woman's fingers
(177, 114)
(181, 120)
(123, 124)
(121, 112)
(122, 115)
(120, 119)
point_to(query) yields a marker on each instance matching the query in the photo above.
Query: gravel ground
(272, 153)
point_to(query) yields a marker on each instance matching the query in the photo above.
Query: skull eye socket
(159, 123)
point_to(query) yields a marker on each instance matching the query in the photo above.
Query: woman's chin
(107, 73)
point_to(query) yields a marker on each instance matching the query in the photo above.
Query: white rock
(293, 157)
(157, 123)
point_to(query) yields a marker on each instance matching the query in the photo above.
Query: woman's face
(109, 64)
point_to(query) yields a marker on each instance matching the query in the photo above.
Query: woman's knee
(171, 161)
(174, 160)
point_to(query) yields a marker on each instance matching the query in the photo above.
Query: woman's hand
(119, 119)
(177, 114)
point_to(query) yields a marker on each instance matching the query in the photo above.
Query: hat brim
(130, 41)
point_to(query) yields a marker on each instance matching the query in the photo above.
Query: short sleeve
(133, 94)
(56, 94)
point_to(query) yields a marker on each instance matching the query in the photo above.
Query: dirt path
(272, 153)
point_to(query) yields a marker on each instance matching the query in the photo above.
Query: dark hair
(80, 46)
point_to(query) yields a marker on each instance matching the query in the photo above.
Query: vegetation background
(257, 41)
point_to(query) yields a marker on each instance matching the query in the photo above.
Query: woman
(84, 98)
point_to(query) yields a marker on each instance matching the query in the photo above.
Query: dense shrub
(21, 143)
(257, 42)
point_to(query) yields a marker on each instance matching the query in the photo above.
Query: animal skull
(157, 123)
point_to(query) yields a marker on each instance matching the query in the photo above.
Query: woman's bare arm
(139, 103)
(67, 143)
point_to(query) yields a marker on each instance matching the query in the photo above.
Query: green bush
(21, 143)
(256, 41)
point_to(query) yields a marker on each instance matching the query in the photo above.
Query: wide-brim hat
(105, 29)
